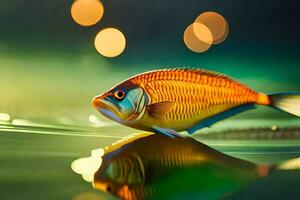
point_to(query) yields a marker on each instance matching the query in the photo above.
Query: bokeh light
(23, 122)
(97, 152)
(89, 165)
(96, 122)
(87, 12)
(197, 37)
(4, 117)
(110, 42)
(216, 23)
(290, 164)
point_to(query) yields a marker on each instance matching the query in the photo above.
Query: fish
(169, 101)
(152, 166)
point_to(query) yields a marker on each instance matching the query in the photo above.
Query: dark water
(35, 161)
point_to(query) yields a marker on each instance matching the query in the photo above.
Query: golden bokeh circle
(110, 42)
(87, 12)
(197, 37)
(216, 23)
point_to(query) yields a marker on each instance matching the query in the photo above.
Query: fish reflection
(155, 166)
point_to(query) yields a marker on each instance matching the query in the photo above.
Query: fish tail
(287, 102)
(293, 164)
(264, 170)
(263, 99)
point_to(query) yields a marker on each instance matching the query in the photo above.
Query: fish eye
(119, 94)
(109, 188)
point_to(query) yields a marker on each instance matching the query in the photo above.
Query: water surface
(35, 160)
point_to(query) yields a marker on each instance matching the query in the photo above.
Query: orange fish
(171, 100)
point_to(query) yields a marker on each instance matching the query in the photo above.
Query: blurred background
(49, 67)
(50, 70)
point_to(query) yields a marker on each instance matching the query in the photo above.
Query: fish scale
(213, 96)
(198, 94)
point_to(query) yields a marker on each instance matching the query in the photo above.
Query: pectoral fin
(167, 132)
(160, 109)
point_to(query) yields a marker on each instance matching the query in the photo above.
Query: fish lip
(97, 102)
(102, 103)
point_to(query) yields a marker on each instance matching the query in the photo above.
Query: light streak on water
(95, 121)
(39, 132)
(290, 164)
(22, 122)
(65, 120)
(262, 152)
(29, 123)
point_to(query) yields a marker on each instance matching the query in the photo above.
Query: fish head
(118, 173)
(105, 179)
(103, 182)
(124, 103)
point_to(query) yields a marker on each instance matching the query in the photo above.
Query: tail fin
(289, 103)
(293, 164)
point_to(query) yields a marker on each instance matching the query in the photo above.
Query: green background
(50, 71)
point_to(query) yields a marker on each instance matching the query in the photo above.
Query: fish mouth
(108, 109)
(98, 102)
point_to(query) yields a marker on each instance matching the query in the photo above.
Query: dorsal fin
(203, 72)
(172, 74)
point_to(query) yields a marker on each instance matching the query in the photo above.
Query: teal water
(35, 160)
